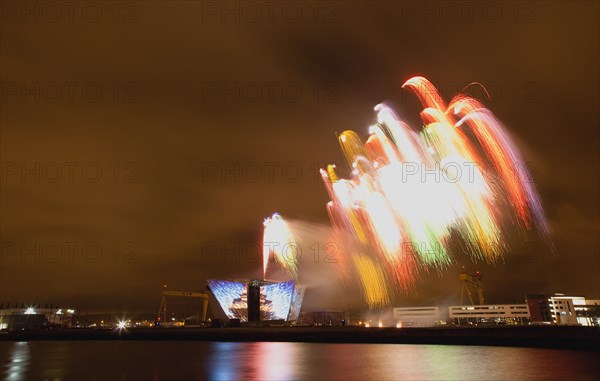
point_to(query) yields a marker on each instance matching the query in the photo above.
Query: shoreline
(570, 337)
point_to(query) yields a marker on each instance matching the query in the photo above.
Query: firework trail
(410, 192)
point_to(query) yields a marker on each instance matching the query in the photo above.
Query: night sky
(121, 132)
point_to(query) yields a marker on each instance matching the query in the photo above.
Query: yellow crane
(188, 294)
(471, 281)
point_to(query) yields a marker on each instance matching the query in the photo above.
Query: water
(170, 360)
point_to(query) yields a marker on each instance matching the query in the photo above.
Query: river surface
(188, 360)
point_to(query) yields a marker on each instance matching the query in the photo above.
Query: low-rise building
(490, 314)
(588, 314)
(563, 309)
(416, 316)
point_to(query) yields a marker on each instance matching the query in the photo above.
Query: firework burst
(411, 193)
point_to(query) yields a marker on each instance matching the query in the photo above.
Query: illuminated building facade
(256, 300)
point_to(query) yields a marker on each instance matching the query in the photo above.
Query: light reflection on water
(19, 361)
(167, 360)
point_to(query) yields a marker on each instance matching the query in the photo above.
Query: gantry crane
(163, 304)
(468, 282)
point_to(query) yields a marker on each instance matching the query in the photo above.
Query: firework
(279, 243)
(410, 193)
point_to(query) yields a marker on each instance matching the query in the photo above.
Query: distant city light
(122, 324)
(30, 311)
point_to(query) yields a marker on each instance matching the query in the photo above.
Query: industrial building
(34, 317)
(256, 300)
(323, 318)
